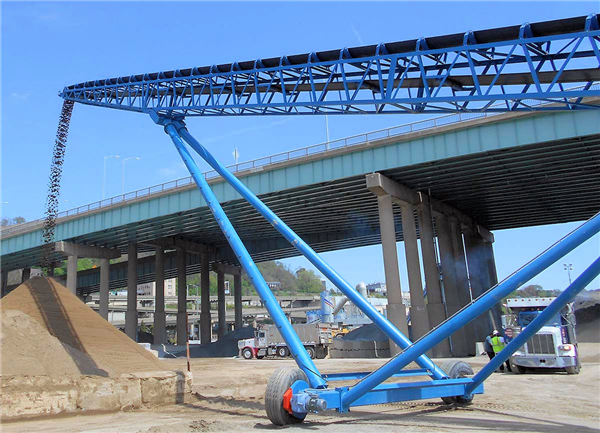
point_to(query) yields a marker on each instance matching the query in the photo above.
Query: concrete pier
(435, 305)
(160, 334)
(221, 304)
(104, 286)
(131, 316)
(72, 273)
(475, 257)
(205, 319)
(418, 313)
(181, 297)
(237, 293)
(25, 275)
(458, 340)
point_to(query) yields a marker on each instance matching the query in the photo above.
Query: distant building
(149, 289)
(274, 285)
(378, 288)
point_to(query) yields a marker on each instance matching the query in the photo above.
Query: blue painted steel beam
(475, 309)
(365, 306)
(331, 377)
(568, 295)
(283, 325)
(451, 73)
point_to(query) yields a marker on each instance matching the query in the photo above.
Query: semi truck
(267, 341)
(552, 347)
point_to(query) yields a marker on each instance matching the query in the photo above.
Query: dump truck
(316, 338)
(554, 346)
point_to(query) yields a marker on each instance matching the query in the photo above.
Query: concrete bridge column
(3, 283)
(131, 316)
(458, 340)
(205, 320)
(221, 304)
(475, 257)
(492, 279)
(181, 297)
(396, 311)
(72, 274)
(237, 292)
(435, 306)
(418, 313)
(104, 285)
(160, 328)
(25, 275)
(462, 280)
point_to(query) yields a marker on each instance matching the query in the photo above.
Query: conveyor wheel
(456, 369)
(277, 387)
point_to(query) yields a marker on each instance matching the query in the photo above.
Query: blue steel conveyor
(493, 70)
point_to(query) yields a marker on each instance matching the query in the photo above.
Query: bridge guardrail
(260, 163)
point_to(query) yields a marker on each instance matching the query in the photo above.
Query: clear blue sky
(46, 46)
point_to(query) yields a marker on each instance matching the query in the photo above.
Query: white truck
(552, 347)
(316, 338)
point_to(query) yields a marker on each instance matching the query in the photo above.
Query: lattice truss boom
(478, 71)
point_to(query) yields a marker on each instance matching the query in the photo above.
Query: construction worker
(498, 344)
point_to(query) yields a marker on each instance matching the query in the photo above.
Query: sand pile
(226, 347)
(48, 330)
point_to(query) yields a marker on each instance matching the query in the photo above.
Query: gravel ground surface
(228, 396)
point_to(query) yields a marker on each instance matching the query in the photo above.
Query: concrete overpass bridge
(466, 173)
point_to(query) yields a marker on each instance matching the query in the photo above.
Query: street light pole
(104, 177)
(568, 268)
(123, 172)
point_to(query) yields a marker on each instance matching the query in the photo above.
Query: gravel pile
(226, 347)
(366, 333)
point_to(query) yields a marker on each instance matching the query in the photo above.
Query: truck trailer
(315, 337)
(554, 346)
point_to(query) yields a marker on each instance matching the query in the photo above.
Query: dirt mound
(226, 347)
(366, 333)
(43, 354)
(588, 324)
(54, 329)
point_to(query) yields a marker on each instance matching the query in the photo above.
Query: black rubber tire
(311, 352)
(574, 370)
(278, 384)
(247, 353)
(456, 369)
(282, 352)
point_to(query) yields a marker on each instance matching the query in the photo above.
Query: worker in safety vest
(498, 344)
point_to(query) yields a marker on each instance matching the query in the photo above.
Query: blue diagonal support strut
(365, 306)
(283, 325)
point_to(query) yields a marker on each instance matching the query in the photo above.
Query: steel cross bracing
(469, 72)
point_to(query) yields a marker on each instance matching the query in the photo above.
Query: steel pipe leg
(365, 306)
(285, 328)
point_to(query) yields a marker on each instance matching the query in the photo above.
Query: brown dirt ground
(228, 396)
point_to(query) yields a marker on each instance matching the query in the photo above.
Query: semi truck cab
(553, 347)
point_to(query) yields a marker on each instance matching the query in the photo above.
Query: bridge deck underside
(545, 183)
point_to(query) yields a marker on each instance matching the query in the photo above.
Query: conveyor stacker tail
(292, 86)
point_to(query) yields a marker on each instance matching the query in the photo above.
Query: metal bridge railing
(261, 163)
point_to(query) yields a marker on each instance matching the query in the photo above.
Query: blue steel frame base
(370, 388)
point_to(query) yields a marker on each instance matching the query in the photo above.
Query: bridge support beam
(72, 274)
(205, 319)
(462, 280)
(104, 280)
(492, 279)
(25, 275)
(181, 297)
(221, 304)
(435, 304)
(131, 315)
(418, 314)
(160, 329)
(474, 246)
(3, 283)
(237, 293)
(396, 311)
(459, 343)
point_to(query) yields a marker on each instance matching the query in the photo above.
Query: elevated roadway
(504, 171)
